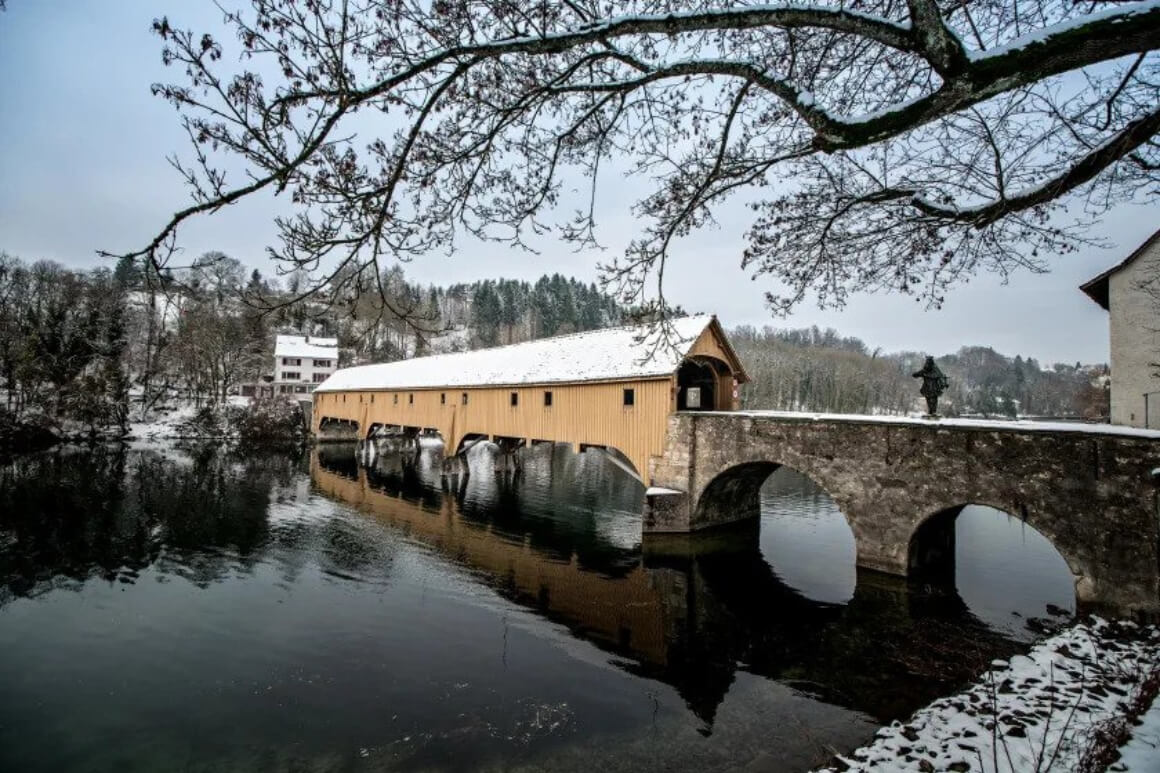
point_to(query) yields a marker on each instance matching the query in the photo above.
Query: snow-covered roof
(306, 346)
(612, 354)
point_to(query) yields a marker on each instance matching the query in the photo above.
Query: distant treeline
(820, 370)
(77, 345)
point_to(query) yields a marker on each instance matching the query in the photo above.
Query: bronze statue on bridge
(934, 383)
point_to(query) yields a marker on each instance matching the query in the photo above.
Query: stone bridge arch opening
(1005, 568)
(802, 532)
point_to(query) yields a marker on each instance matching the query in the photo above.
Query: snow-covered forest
(820, 370)
(104, 346)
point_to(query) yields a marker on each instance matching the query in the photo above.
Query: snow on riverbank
(1141, 754)
(171, 422)
(1049, 704)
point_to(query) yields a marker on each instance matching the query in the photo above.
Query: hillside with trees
(102, 347)
(820, 370)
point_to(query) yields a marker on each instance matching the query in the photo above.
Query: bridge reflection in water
(692, 614)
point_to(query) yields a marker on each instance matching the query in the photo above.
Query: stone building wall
(1134, 318)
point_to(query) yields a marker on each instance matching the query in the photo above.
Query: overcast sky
(82, 167)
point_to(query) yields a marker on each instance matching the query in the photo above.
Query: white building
(1130, 292)
(303, 362)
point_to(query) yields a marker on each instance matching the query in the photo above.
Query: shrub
(271, 420)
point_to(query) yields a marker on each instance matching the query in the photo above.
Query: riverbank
(239, 420)
(1068, 705)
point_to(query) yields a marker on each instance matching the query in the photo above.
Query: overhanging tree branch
(490, 106)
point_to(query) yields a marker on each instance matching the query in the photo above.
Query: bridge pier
(455, 466)
(507, 460)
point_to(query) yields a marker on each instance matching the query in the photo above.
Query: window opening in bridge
(515, 399)
(344, 398)
(464, 398)
(396, 400)
(372, 398)
(411, 399)
(630, 397)
(547, 399)
(443, 398)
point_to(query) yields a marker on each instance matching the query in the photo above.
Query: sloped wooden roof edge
(1096, 288)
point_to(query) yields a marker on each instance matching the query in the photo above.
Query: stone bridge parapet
(1090, 491)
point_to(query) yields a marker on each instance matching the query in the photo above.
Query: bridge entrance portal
(704, 384)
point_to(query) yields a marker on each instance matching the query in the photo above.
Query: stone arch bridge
(1091, 491)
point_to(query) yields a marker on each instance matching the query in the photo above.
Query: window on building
(463, 398)
(443, 398)
(300, 390)
(322, 363)
(319, 378)
(547, 399)
(284, 389)
(291, 375)
(515, 398)
(295, 361)
(410, 399)
(630, 397)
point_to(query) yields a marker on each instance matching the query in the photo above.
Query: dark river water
(195, 610)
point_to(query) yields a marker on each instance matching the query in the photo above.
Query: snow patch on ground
(163, 424)
(1048, 703)
(1141, 754)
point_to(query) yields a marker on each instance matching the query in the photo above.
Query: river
(195, 610)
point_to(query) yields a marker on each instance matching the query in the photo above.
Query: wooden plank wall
(585, 413)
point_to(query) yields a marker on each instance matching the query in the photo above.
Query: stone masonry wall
(1090, 494)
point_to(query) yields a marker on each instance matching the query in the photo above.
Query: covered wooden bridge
(612, 389)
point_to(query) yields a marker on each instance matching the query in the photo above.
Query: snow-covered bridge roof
(612, 354)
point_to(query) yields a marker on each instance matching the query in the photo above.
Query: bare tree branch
(948, 158)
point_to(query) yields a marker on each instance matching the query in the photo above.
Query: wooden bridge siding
(586, 413)
(604, 606)
(1090, 495)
